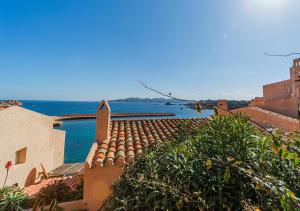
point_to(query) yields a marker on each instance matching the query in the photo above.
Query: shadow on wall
(30, 180)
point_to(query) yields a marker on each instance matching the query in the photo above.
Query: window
(21, 156)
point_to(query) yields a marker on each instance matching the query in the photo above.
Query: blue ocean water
(80, 134)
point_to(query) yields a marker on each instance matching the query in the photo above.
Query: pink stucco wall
(21, 128)
(263, 116)
(288, 107)
(257, 102)
(97, 184)
(97, 181)
(279, 90)
(284, 96)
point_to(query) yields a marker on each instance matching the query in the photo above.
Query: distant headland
(145, 100)
(232, 104)
(8, 103)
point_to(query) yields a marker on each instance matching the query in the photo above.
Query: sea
(80, 134)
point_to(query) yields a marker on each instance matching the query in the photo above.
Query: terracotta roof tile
(130, 138)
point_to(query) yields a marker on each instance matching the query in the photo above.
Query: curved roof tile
(130, 138)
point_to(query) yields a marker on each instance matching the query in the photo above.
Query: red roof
(130, 138)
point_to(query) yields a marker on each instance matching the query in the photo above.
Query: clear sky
(90, 50)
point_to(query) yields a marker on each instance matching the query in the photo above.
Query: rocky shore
(8, 103)
(232, 104)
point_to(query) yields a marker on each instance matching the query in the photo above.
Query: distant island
(232, 104)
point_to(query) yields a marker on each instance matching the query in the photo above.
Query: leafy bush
(57, 192)
(226, 164)
(12, 198)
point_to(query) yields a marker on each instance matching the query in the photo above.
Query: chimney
(296, 62)
(223, 106)
(295, 79)
(103, 122)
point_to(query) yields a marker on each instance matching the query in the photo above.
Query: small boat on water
(169, 103)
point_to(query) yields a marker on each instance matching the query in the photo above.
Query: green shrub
(226, 164)
(12, 198)
(55, 193)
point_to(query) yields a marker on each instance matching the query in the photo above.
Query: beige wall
(97, 181)
(21, 128)
(97, 184)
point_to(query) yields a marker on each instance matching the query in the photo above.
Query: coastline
(93, 116)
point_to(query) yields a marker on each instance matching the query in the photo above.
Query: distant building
(282, 97)
(28, 140)
(279, 106)
(119, 142)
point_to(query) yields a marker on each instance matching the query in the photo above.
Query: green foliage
(234, 104)
(51, 194)
(226, 164)
(57, 192)
(12, 198)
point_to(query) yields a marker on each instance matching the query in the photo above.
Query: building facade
(282, 97)
(29, 141)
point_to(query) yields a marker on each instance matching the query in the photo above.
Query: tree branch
(216, 106)
(282, 55)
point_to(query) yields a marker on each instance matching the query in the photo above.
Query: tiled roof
(130, 138)
(71, 181)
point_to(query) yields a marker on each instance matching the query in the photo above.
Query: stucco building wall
(97, 185)
(264, 117)
(98, 179)
(282, 97)
(257, 102)
(288, 107)
(273, 119)
(21, 128)
(277, 91)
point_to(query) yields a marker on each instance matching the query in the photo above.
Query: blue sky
(90, 50)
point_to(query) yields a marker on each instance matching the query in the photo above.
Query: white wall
(21, 128)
